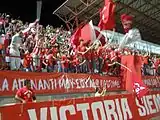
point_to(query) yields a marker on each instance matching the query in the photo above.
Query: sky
(26, 10)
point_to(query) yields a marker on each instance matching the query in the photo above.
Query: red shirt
(27, 60)
(99, 50)
(26, 94)
(145, 60)
(49, 59)
(54, 51)
(105, 67)
(88, 55)
(113, 54)
(81, 48)
(66, 62)
(94, 54)
(75, 61)
(157, 63)
(6, 43)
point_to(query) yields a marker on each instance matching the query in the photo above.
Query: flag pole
(124, 66)
(39, 6)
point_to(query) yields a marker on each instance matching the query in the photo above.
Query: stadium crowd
(33, 47)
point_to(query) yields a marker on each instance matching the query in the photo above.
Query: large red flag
(133, 77)
(138, 86)
(75, 37)
(88, 33)
(107, 19)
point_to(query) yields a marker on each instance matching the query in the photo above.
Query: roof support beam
(139, 12)
(83, 10)
(96, 6)
(127, 4)
(73, 12)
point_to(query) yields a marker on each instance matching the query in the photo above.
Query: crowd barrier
(61, 83)
(115, 107)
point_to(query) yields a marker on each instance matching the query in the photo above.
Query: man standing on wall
(25, 94)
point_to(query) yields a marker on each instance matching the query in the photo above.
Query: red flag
(75, 37)
(107, 20)
(102, 39)
(133, 77)
(88, 33)
(139, 87)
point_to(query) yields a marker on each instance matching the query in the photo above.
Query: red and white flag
(138, 86)
(107, 18)
(88, 33)
(133, 77)
(102, 38)
(75, 37)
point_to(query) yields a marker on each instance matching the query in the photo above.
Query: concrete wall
(10, 99)
(44, 97)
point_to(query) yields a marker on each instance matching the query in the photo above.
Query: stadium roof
(146, 14)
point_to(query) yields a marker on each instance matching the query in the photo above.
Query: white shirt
(16, 41)
(130, 37)
(15, 44)
(97, 94)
